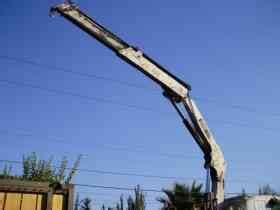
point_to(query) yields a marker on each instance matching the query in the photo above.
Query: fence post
(49, 199)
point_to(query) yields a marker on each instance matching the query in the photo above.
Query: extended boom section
(176, 90)
(129, 53)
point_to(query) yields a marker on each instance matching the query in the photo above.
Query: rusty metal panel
(13, 201)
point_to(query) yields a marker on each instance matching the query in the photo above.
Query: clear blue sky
(227, 50)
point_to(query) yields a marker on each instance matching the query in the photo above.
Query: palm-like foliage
(86, 204)
(182, 197)
(136, 202)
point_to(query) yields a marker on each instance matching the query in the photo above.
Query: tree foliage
(35, 169)
(135, 202)
(183, 197)
(276, 207)
(6, 172)
(85, 204)
(267, 190)
(138, 203)
(77, 202)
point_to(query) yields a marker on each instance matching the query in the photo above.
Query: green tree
(276, 206)
(274, 203)
(77, 202)
(182, 197)
(243, 193)
(130, 203)
(121, 203)
(73, 170)
(6, 173)
(118, 207)
(85, 204)
(139, 201)
(136, 202)
(267, 190)
(35, 169)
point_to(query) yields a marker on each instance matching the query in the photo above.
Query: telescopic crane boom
(177, 91)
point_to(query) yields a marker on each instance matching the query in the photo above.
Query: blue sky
(227, 50)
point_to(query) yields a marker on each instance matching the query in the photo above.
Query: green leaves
(139, 201)
(136, 202)
(6, 173)
(73, 170)
(267, 190)
(183, 197)
(85, 204)
(35, 169)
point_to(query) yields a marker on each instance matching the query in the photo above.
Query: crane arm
(129, 53)
(176, 90)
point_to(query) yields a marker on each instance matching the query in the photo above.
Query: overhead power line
(122, 149)
(77, 95)
(52, 67)
(110, 147)
(106, 146)
(109, 101)
(115, 173)
(144, 190)
(120, 188)
(115, 188)
(55, 68)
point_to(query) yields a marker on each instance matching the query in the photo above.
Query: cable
(144, 190)
(136, 174)
(110, 147)
(94, 76)
(108, 101)
(127, 174)
(72, 94)
(120, 188)
(235, 106)
(113, 172)
(110, 195)
(70, 71)
(107, 146)
(246, 125)
(115, 188)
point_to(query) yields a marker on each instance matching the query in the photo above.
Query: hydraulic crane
(174, 89)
